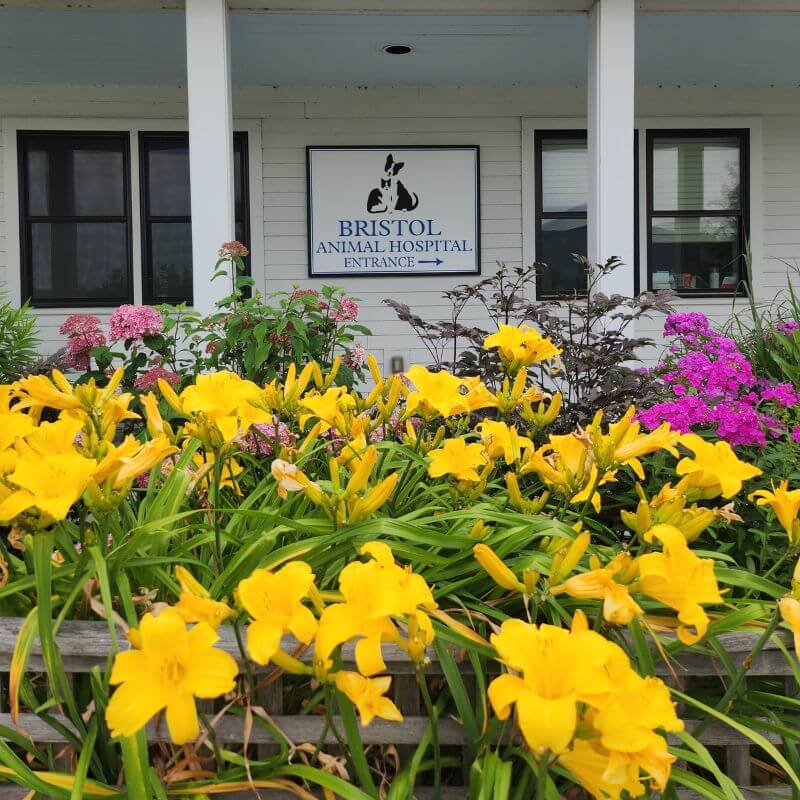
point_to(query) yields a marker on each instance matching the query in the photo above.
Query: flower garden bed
(251, 576)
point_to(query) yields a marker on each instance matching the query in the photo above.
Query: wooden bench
(85, 644)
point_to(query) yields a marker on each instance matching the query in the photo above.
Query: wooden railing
(84, 645)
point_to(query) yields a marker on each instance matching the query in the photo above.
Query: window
(75, 218)
(697, 210)
(166, 213)
(562, 190)
(562, 193)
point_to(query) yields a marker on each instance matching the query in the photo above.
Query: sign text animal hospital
(384, 210)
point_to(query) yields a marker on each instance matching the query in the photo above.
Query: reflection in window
(166, 213)
(562, 190)
(697, 199)
(74, 218)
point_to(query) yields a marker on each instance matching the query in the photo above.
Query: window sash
(240, 145)
(741, 214)
(541, 215)
(27, 220)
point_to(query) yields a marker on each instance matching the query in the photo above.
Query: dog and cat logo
(392, 194)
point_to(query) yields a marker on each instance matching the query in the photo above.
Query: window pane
(171, 260)
(239, 169)
(168, 177)
(75, 176)
(695, 253)
(79, 260)
(696, 174)
(565, 175)
(558, 239)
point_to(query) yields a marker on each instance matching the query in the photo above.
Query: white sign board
(393, 210)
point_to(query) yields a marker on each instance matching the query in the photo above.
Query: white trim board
(11, 125)
(642, 124)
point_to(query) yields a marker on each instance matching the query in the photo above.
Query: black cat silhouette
(392, 194)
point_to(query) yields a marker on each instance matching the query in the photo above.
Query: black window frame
(541, 135)
(26, 219)
(743, 213)
(240, 139)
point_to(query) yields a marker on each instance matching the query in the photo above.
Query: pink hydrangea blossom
(233, 249)
(79, 349)
(134, 322)
(299, 294)
(260, 439)
(355, 356)
(80, 324)
(346, 312)
(149, 380)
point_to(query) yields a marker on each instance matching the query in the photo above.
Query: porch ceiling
(148, 47)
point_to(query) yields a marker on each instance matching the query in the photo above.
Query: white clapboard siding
(491, 117)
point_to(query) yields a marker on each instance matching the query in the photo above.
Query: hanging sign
(393, 211)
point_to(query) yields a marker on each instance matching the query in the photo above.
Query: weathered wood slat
(447, 793)
(85, 644)
(297, 728)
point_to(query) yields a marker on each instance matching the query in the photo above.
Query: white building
(692, 109)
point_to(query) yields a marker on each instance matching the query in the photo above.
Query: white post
(610, 139)
(210, 143)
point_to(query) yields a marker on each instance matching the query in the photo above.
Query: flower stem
(541, 777)
(434, 718)
(726, 702)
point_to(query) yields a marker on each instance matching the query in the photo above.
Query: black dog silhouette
(391, 195)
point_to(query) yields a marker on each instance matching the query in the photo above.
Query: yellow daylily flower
(669, 507)
(625, 444)
(274, 600)
(51, 438)
(680, 580)
(219, 405)
(566, 465)
(13, 425)
(172, 666)
(559, 669)
(131, 458)
(520, 346)
(328, 408)
(497, 569)
(790, 611)
(457, 458)
(49, 484)
(435, 394)
(373, 592)
(715, 469)
(204, 461)
(502, 441)
(600, 583)
(785, 504)
(367, 695)
(196, 604)
(288, 477)
(591, 765)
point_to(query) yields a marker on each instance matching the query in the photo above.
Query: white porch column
(610, 140)
(210, 143)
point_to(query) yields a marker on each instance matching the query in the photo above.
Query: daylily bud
(574, 553)
(372, 365)
(496, 568)
(530, 578)
(480, 530)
